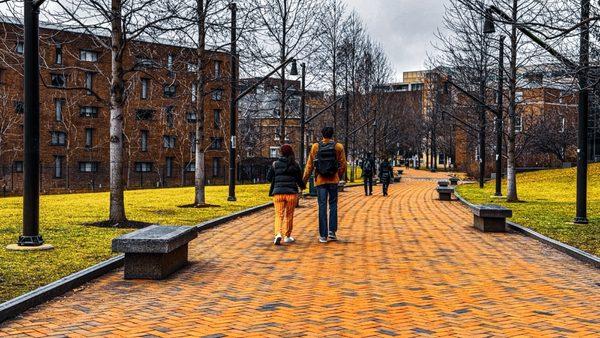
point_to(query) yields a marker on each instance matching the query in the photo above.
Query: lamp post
(303, 117)
(30, 238)
(233, 102)
(581, 69)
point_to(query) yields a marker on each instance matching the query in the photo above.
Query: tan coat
(310, 165)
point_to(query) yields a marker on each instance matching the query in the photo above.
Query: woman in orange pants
(285, 176)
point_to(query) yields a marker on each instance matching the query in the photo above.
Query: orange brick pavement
(407, 265)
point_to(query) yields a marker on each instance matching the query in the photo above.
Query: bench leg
(445, 197)
(153, 265)
(488, 224)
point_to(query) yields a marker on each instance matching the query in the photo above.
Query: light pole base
(17, 247)
(581, 220)
(498, 197)
(231, 199)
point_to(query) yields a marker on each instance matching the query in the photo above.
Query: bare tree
(114, 25)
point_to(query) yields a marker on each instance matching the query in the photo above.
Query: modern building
(159, 118)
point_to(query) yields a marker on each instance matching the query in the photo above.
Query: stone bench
(443, 183)
(155, 252)
(341, 186)
(397, 179)
(445, 193)
(490, 218)
(453, 181)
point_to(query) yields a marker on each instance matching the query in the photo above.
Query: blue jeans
(327, 194)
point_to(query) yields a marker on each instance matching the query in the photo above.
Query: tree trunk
(117, 88)
(199, 175)
(511, 175)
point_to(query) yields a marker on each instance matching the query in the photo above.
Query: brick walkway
(408, 265)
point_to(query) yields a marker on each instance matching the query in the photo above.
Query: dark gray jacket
(285, 177)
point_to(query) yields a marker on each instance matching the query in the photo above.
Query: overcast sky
(405, 28)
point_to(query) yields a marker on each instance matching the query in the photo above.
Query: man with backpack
(368, 170)
(328, 160)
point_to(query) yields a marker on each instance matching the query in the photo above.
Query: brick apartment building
(159, 118)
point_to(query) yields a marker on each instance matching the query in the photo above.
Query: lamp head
(294, 71)
(488, 24)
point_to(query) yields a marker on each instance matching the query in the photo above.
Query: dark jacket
(285, 177)
(363, 166)
(386, 171)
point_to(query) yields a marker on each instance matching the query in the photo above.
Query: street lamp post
(499, 121)
(233, 102)
(31, 238)
(581, 69)
(303, 117)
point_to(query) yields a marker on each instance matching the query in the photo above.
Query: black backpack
(368, 167)
(326, 162)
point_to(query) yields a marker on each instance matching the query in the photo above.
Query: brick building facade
(159, 119)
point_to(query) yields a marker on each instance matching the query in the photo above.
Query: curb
(20, 304)
(578, 254)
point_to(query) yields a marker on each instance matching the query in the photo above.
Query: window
(190, 167)
(191, 117)
(169, 167)
(57, 80)
(19, 107)
(20, 47)
(416, 86)
(59, 104)
(143, 62)
(218, 66)
(89, 82)
(477, 157)
(59, 138)
(192, 67)
(274, 152)
(143, 167)
(169, 116)
(88, 167)
(145, 88)
(216, 166)
(518, 123)
(563, 123)
(88, 55)
(217, 95)
(442, 158)
(58, 166)
(519, 97)
(170, 62)
(144, 114)
(193, 143)
(144, 140)
(216, 143)
(169, 141)
(58, 55)
(169, 91)
(194, 92)
(88, 111)
(89, 137)
(217, 118)
(18, 166)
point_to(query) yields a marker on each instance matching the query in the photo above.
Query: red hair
(287, 150)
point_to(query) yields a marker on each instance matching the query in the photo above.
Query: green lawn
(548, 205)
(77, 246)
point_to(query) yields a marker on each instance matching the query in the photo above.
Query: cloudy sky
(404, 27)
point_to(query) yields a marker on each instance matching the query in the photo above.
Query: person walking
(285, 176)
(368, 170)
(328, 160)
(386, 171)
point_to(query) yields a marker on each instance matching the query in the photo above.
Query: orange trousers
(284, 213)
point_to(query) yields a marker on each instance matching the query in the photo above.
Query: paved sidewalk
(408, 265)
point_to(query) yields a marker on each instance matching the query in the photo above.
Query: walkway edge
(20, 304)
(578, 254)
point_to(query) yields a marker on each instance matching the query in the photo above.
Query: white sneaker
(289, 240)
(322, 240)
(277, 240)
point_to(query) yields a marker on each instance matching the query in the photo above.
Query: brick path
(408, 265)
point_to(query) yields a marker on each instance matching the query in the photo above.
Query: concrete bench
(341, 186)
(490, 218)
(155, 252)
(445, 193)
(443, 183)
(453, 181)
